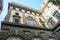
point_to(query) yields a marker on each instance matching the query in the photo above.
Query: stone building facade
(24, 23)
(51, 14)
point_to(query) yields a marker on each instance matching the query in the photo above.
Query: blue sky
(35, 4)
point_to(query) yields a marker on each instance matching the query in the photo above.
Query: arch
(30, 17)
(52, 38)
(36, 38)
(30, 21)
(17, 37)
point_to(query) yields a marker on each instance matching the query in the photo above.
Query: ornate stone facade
(51, 14)
(23, 23)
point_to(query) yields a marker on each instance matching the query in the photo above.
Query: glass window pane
(52, 22)
(16, 20)
(58, 15)
(30, 22)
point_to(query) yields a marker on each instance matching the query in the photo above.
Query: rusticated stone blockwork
(25, 32)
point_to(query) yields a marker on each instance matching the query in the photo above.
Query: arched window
(52, 39)
(36, 38)
(42, 22)
(31, 21)
(14, 38)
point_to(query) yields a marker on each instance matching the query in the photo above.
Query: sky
(35, 4)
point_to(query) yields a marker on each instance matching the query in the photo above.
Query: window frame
(19, 18)
(54, 11)
(29, 20)
(57, 15)
(52, 21)
(16, 20)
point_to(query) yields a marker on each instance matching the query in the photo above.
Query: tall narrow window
(16, 18)
(30, 21)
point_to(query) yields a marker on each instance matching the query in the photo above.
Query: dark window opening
(17, 13)
(16, 20)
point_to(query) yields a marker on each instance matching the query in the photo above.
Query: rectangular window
(58, 15)
(53, 11)
(16, 20)
(30, 22)
(52, 22)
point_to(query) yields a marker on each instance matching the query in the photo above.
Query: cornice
(24, 7)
